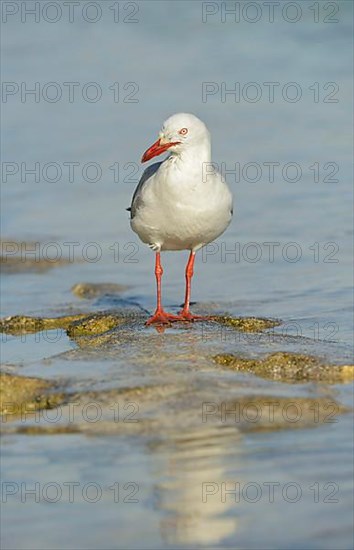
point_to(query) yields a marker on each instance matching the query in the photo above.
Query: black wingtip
(129, 209)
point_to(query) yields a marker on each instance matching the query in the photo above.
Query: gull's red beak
(156, 149)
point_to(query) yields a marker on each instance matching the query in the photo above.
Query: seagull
(181, 203)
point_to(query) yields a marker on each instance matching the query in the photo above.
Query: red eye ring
(183, 131)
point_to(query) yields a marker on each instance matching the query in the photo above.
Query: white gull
(181, 203)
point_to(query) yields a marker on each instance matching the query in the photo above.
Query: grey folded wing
(136, 200)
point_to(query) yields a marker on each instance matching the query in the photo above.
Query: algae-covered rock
(92, 290)
(93, 331)
(87, 330)
(80, 324)
(94, 324)
(247, 324)
(289, 367)
(22, 395)
(22, 324)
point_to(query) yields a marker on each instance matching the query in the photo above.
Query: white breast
(176, 210)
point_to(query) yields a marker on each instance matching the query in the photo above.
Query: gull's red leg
(160, 316)
(185, 314)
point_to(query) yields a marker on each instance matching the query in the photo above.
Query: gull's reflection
(197, 463)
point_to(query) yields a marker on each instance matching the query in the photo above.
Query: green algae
(288, 367)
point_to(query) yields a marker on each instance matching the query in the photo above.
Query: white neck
(192, 158)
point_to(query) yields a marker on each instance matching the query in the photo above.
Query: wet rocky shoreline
(195, 348)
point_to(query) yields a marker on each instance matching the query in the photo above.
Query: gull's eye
(183, 131)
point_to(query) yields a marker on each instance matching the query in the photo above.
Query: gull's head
(178, 133)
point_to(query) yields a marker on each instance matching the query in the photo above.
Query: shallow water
(170, 453)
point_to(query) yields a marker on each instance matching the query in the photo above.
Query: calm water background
(166, 56)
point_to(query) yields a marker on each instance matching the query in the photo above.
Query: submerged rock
(24, 257)
(163, 409)
(20, 265)
(92, 290)
(274, 412)
(22, 395)
(288, 367)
